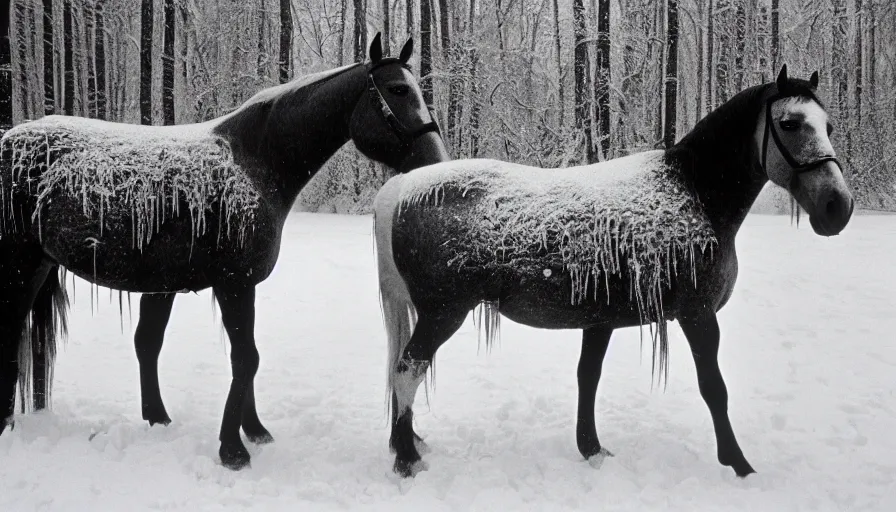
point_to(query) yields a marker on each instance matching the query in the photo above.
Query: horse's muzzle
(832, 214)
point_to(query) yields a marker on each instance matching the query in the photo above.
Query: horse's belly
(548, 300)
(173, 258)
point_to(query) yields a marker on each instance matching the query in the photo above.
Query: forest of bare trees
(544, 82)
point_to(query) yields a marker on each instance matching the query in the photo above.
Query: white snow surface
(808, 353)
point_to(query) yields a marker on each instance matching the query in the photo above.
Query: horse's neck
(289, 139)
(720, 158)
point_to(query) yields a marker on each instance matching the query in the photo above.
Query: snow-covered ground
(808, 352)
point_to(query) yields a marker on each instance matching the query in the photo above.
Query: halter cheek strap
(405, 134)
(797, 167)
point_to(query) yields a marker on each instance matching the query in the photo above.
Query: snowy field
(808, 352)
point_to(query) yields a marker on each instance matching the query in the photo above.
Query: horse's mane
(741, 112)
(302, 85)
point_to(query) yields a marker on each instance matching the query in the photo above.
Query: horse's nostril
(833, 205)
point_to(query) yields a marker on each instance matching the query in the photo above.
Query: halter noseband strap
(798, 168)
(405, 135)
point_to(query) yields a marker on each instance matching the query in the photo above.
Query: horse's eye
(789, 125)
(830, 129)
(399, 90)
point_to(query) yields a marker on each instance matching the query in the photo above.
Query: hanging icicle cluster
(146, 174)
(633, 215)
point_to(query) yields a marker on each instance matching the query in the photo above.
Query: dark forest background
(543, 82)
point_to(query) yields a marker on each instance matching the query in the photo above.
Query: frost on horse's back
(142, 173)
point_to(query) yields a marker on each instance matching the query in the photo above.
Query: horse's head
(797, 154)
(391, 122)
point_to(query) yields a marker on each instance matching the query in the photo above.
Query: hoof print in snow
(597, 460)
(420, 444)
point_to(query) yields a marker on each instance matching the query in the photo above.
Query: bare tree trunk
(710, 52)
(286, 39)
(740, 43)
(776, 42)
(872, 48)
(168, 65)
(723, 63)
(582, 89)
(99, 44)
(602, 87)
(387, 29)
(261, 58)
(409, 17)
(68, 102)
(859, 68)
(474, 85)
(360, 31)
(839, 31)
(49, 65)
(89, 20)
(701, 49)
(426, 51)
(763, 44)
(5, 72)
(146, 19)
(560, 89)
(448, 58)
(671, 92)
(16, 32)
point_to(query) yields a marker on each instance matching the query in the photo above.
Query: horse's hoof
(264, 437)
(234, 456)
(742, 470)
(408, 469)
(163, 422)
(738, 463)
(595, 452)
(154, 417)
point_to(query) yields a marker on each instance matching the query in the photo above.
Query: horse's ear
(813, 80)
(376, 49)
(407, 51)
(782, 78)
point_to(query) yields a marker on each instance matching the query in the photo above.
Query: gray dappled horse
(637, 240)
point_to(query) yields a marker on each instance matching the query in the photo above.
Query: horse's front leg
(595, 341)
(155, 311)
(702, 332)
(238, 315)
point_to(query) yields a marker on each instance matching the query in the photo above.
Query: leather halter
(797, 167)
(405, 134)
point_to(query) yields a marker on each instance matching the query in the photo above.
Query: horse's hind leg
(155, 311)
(431, 331)
(595, 341)
(702, 332)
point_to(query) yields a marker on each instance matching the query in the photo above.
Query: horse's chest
(714, 279)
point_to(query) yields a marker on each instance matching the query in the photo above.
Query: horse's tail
(37, 348)
(399, 313)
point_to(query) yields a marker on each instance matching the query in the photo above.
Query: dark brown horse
(161, 210)
(639, 240)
